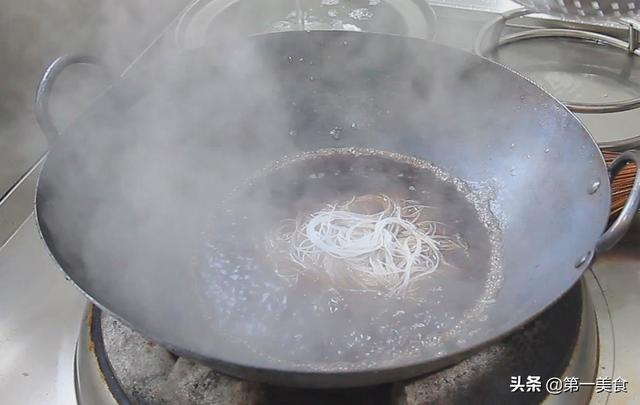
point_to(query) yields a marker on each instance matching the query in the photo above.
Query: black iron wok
(125, 191)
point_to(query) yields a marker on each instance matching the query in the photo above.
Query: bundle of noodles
(369, 243)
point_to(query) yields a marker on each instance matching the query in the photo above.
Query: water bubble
(583, 260)
(292, 133)
(290, 59)
(282, 25)
(513, 145)
(412, 188)
(361, 14)
(345, 43)
(547, 150)
(311, 78)
(528, 156)
(512, 171)
(354, 125)
(336, 133)
(301, 60)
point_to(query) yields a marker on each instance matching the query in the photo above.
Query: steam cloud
(180, 133)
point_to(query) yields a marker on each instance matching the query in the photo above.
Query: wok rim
(333, 378)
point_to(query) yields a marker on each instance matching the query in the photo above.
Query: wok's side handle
(622, 223)
(51, 73)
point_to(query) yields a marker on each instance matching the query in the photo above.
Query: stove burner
(138, 371)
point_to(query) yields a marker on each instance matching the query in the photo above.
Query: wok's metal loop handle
(622, 223)
(43, 92)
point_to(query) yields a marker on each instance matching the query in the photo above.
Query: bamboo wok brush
(621, 185)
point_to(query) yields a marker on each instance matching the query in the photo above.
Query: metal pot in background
(206, 21)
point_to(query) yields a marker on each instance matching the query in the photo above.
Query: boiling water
(314, 325)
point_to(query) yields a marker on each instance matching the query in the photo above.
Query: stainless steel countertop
(618, 275)
(40, 318)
